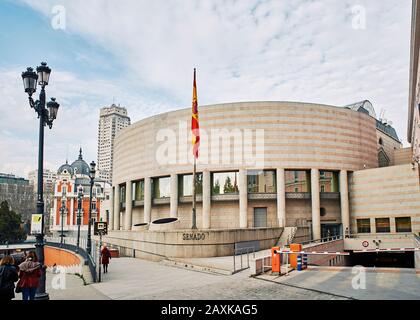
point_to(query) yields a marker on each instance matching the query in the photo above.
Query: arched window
(381, 142)
(383, 159)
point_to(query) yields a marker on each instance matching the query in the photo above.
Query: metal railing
(325, 239)
(71, 244)
(241, 252)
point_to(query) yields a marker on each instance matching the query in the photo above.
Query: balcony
(298, 195)
(138, 203)
(330, 195)
(262, 196)
(225, 197)
(166, 200)
(189, 199)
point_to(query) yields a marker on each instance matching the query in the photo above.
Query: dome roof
(66, 167)
(364, 106)
(80, 166)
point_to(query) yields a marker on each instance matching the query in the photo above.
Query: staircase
(287, 236)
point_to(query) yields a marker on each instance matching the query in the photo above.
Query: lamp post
(79, 214)
(47, 113)
(92, 178)
(63, 211)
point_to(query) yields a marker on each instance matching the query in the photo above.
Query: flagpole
(194, 224)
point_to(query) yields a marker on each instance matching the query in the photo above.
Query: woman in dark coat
(106, 256)
(8, 277)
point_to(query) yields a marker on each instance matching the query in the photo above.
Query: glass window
(262, 181)
(225, 183)
(382, 225)
(298, 181)
(122, 194)
(403, 224)
(161, 187)
(328, 181)
(138, 190)
(363, 225)
(186, 184)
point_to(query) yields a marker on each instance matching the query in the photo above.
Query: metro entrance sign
(100, 228)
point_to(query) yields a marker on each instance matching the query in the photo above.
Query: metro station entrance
(331, 230)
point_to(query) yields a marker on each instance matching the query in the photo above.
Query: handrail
(325, 239)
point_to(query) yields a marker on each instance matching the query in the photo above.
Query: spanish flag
(195, 128)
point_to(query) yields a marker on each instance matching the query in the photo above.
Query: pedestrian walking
(8, 277)
(106, 256)
(29, 274)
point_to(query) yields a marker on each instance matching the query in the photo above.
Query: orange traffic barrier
(275, 260)
(294, 247)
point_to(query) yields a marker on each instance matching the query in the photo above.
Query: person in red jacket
(106, 255)
(29, 274)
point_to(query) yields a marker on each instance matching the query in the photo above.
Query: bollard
(299, 262)
(305, 261)
(295, 247)
(275, 261)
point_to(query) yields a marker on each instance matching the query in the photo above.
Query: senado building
(264, 168)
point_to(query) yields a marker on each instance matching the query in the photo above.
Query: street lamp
(63, 210)
(46, 117)
(79, 214)
(92, 178)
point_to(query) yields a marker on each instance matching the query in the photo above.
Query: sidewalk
(74, 289)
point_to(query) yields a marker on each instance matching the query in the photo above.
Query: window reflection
(262, 181)
(186, 184)
(328, 181)
(138, 190)
(161, 187)
(225, 183)
(382, 225)
(363, 225)
(403, 224)
(297, 181)
(122, 194)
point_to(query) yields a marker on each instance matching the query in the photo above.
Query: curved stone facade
(296, 135)
(240, 137)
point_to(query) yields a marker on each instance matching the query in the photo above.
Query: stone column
(147, 199)
(128, 205)
(111, 210)
(117, 208)
(392, 226)
(206, 199)
(344, 199)
(281, 197)
(55, 212)
(372, 225)
(243, 199)
(316, 216)
(174, 196)
(71, 211)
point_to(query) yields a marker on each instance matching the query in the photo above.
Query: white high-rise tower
(111, 120)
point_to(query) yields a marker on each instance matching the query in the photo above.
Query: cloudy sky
(141, 55)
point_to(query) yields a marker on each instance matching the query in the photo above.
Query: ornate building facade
(71, 179)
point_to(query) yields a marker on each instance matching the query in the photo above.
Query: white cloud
(244, 50)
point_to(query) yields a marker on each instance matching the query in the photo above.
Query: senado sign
(193, 236)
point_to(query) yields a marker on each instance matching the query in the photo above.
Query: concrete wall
(385, 192)
(403, 156)
(326, 260)
(178, 243)
(299, 210)
(60, 257)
